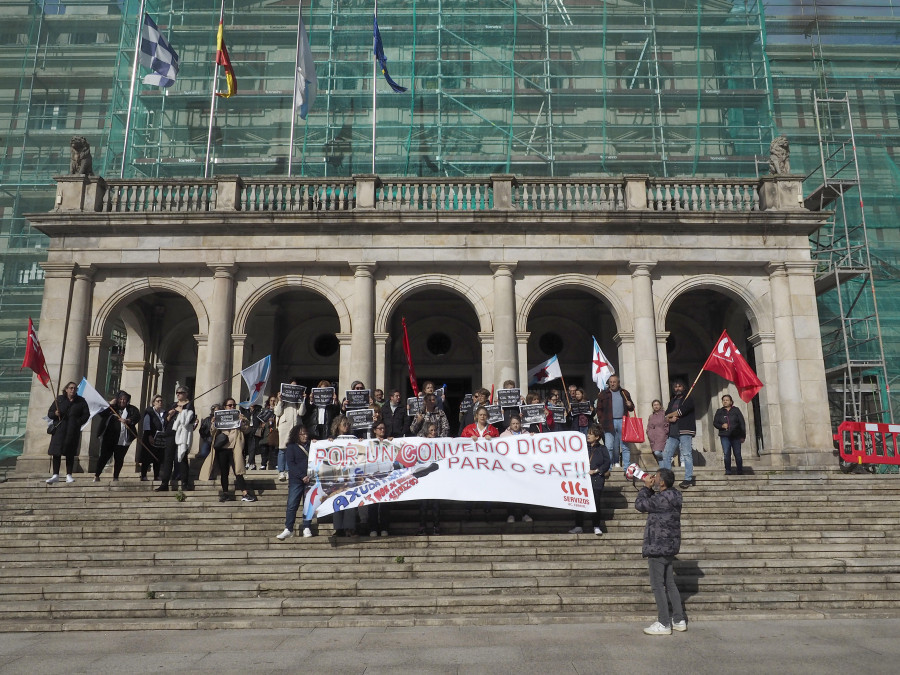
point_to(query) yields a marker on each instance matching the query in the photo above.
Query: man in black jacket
(662, 541)
(682, 429)
(395, 418)
(117, 432)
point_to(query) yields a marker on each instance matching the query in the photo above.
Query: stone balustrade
(370, 192)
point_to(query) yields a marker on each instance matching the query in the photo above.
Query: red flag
(726, 360)
(409, 361)
(34, 356)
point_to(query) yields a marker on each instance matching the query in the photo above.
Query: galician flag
(95, 402)
(601, 368)
(256, 377)
(307, 82)
(548, 370)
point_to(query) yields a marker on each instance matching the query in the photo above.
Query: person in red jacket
(480, 428)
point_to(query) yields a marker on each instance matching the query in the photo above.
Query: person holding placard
(287, 415)
(481, 397)
(581, 411)
(509, 405)
(323, 409)
(296, 452)
(348, 404)
(480, 428)
(430, 414)
(227, 455)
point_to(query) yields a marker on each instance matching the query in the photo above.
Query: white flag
(307, 82)
(256, 377)
(548, 370)
(157, 55)
(96, 403)
(601, 368)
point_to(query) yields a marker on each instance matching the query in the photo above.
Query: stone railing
(373, 193)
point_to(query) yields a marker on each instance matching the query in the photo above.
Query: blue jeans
(281, 465)
(295, 498)
(614, 444)
(685, 443)
(730, 445)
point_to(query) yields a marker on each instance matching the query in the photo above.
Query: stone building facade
(203, 277)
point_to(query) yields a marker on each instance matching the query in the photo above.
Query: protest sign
(265, 415)
(495, 413)
(581, 408)
(559, 413)
(542, 469)
(357, 398)
(509, 398)
(534, 413)
(227, 419)
(323, 395)
(414, 405)
(466, 404)
(292, 393)
(361, 419)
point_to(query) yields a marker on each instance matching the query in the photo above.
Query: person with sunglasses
(227, 456)
(172, 431)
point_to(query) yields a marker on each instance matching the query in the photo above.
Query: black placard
(292, 393)
(466, 404)
(559, 413)
(361, 419)
(495, 413)
(534, 413)
(413, 405)
(581, 408)
(358, 398)
(265, 415)
(323, 395)
(227, 419)
(509, 398)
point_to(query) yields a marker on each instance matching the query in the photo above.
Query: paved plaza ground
(755, 645)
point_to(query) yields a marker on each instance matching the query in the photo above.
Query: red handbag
(632, 430)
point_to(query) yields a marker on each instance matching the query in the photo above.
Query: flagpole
(134, 66)
(374, 87)
(296, 82)
(695, 382)
(212, 102)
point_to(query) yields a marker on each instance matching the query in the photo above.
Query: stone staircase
(805, 543)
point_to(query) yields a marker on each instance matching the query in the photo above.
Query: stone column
(522, 340)
(646, 386)
(345, 373)
(506, 365)
(662, 353)
(237, 358)
(382, 373)
(789, 391)
(362, 342)
(625, 367)
(75, 354)
(769, 413)
(218, 344)
(487, 361)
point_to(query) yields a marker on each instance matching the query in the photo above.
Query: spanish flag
(223, 60)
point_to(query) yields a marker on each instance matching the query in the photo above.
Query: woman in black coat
(732, 432)
(69, 413)
(600, 461)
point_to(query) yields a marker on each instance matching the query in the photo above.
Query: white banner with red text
(542, 469)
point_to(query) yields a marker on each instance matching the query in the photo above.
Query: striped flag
(157, 55)
(223, 60)
(307, 82)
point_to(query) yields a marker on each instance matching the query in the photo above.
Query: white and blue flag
(307, 82)
(157, 55)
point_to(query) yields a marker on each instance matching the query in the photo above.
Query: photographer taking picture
(662, 540)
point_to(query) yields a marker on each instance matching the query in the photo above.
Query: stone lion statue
(82, 162)
(779, 156)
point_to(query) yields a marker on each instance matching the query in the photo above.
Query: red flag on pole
(726, 360)
(34, 356)
(409, 361)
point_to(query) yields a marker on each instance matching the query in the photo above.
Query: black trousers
(168, 464)
(117, 452)
(579, 515)
(225, 461)
(57, 460)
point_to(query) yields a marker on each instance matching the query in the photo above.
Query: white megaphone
(634, 471)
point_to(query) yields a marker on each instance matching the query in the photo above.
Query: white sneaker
(307, 532)
(576, 530)
(282, 476)
(657, 629)
(53, 479)
(511, 519)
(373, 533)
(617, 465)
(284, 535)
(598, 531)
(69, 478)
(680, 626)
(527, 519)
(384, 533)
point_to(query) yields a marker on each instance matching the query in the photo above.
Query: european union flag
(382, 61)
